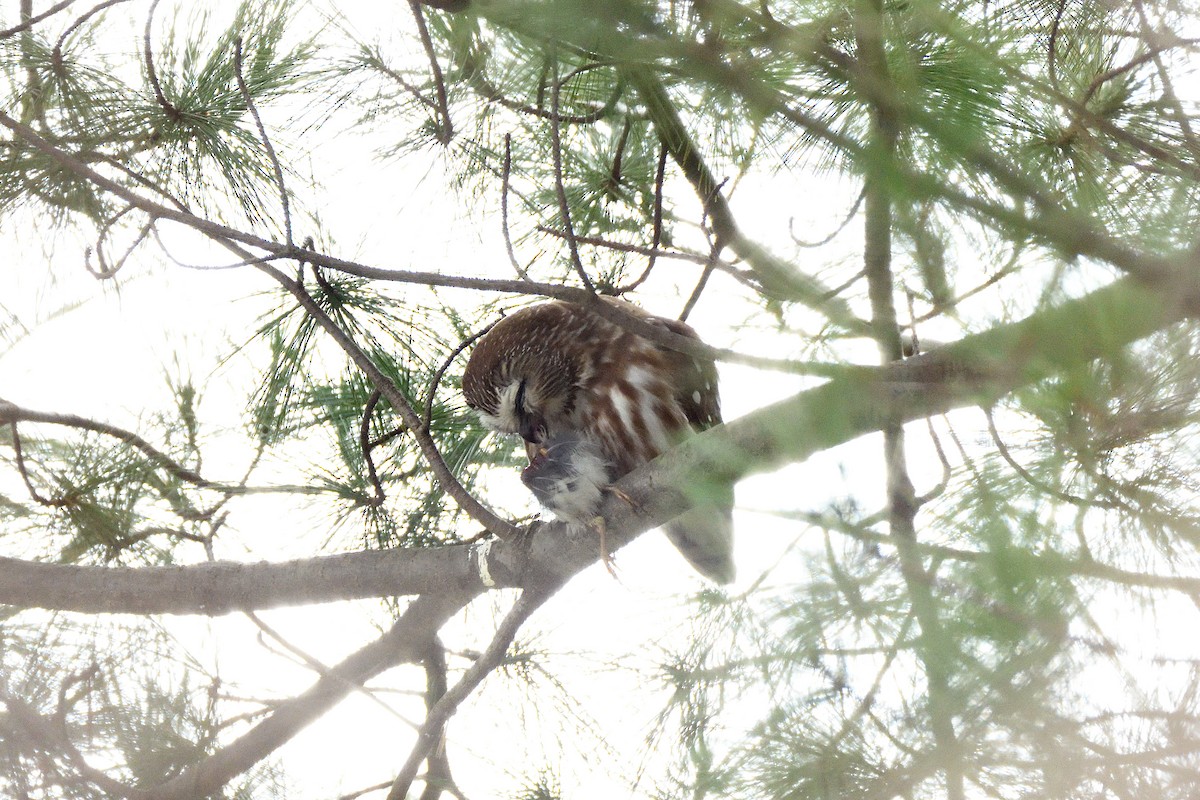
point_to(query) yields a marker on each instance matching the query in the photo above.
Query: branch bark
(976, 370)
(934, 649)
(222, 587)
(407, 641)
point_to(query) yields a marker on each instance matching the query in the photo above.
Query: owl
(593, 402)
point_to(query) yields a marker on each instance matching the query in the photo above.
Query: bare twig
(58, 502)
(430, 396)
(564, 208)
(1052, 45)
(1029, 478)
(445, 129)
(700, 284)
(376, 62)
(656, 235)
(841, 226)
(28, 23)
(82, 18)
(379, 787)
(1012, 266)
(654, 252)
(246, 262)
(505, 174)
(106, 271)
(248, 99)
(34, 94)
(473, 72)
(436, 718)
(322, 669)
(947, 470)
(173, 113)
(614, 174)
(364, 442)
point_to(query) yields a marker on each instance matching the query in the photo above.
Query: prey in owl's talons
(568, 476)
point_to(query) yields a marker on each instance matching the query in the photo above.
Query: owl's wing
(694, 379)
(704, 535)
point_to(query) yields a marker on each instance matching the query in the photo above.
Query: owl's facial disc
(515, 413)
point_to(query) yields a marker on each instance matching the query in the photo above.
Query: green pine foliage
(996, 614)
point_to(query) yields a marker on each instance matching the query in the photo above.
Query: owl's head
(521, 376)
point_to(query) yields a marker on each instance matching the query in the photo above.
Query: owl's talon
(597, 524)
(620, 495)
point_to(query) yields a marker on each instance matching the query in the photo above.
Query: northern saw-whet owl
(593, 402)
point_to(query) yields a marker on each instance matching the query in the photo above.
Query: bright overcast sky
(107, 358)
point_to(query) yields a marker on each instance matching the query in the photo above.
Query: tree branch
(222, 587)
(441, 471)
(935, 649)
(26, 24)
(445, 128)
(406, 641)
(276, 167)
(973, 371)
(564, 207)
(780, 280)
(444, 708)
(172, 112)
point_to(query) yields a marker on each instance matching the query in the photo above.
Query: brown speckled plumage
(575, 373)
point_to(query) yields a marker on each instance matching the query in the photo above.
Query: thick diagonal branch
(406, 641)
(973, 371)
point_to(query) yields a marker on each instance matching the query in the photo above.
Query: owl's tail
(704, 535)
